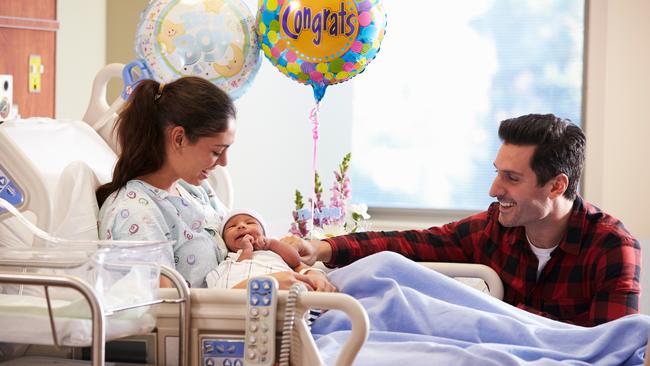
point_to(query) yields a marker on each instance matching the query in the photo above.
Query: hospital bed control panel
(222, 352)
(258, 346)
(9, 191)
(260, 321)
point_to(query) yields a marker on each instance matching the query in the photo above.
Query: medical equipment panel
(10, 191)
(261, 305)
(219, 351)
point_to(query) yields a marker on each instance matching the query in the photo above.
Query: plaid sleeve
(618, 272)
(453, 242)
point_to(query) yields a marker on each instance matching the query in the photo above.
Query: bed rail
(96, 308)
(487, 274)
(98, 313)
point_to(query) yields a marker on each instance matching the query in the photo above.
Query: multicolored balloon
(213, 39)
(320, 42)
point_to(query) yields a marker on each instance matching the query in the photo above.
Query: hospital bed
(50, 195)
(48, 225)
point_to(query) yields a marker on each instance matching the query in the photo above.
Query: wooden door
(28, 27)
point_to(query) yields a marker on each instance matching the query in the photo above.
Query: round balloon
(213, 39)
(320, 42)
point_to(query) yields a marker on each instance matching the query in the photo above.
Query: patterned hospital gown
(140, 211)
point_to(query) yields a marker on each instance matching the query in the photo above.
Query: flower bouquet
(338, 218)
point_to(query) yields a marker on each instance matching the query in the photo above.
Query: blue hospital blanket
(420, 317)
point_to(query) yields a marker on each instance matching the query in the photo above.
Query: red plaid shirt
(591, 278)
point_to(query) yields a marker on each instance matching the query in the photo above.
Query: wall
(28, 28)
(122, 16)
(617, 119)
(81, 52)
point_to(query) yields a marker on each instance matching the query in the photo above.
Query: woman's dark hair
(560, 146)
(195, 104)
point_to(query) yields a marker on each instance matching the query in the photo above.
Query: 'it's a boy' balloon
(213, 39)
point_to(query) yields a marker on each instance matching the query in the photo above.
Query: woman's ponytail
(140, 135)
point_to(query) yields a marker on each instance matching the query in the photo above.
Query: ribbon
(313, 117)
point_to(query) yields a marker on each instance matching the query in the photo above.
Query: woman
(171, 137)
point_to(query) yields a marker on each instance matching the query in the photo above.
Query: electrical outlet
(35, 71)
(6, 96)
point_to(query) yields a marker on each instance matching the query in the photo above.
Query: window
(425, 124)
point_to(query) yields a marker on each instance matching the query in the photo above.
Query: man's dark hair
(560, 146)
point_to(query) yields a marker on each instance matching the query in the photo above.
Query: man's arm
(618, 272)
(454, 242)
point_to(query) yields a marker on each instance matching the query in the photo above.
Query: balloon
(320, 42)
(213, 39)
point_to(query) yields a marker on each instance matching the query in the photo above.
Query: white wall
(80, 53)
(617, 118)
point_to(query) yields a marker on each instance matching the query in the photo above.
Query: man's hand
(310, 251)
(305, 249)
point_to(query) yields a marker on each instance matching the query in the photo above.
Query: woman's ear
(559, 185)
(177, 137)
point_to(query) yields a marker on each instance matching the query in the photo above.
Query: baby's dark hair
(560, 146)
(195, 104)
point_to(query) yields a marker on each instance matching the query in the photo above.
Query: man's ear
(559, 185)
(177, 137)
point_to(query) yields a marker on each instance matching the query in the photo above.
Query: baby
(252, 253)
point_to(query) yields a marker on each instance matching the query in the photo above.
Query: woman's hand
(320, 281)
(288, 279)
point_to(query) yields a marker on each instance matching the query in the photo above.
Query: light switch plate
(35, 71)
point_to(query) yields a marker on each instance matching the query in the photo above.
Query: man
(558, 256)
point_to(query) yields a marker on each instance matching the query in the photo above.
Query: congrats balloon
(320, 42)
(213, 39)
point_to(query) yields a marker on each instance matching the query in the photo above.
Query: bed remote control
(262, 299)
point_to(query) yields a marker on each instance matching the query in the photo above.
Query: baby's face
(237, 228)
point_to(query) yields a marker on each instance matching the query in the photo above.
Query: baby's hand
(247, 242)
(262, 243)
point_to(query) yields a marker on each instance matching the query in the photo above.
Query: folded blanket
(422, 317)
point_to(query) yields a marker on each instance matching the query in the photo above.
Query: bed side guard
(487, 274)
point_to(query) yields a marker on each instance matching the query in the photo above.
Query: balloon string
(313, 117)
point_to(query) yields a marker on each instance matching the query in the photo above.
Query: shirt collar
(572, 240)
(153, 191)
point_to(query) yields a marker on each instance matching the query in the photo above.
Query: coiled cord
(289, 319)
